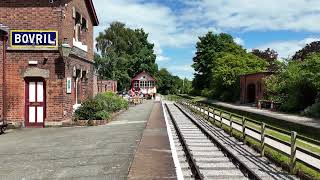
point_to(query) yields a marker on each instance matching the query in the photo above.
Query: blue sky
(175, 25)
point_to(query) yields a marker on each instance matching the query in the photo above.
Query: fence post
(263, 128)
(230, 121)
(220, 118)
(244, 129)
(214, 116)
(293, 151)
(208, 112)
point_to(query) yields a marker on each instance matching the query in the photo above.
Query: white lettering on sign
(25, 38)
(49, 40)
(31, 37)
(39, 39)
(17, 37)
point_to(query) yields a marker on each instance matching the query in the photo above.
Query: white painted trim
(33, 62)
(173, 147)
(79, 45)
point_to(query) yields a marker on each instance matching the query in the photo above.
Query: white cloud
(161, 58)
(163, 26)
(287, 49)
(296, 15)
(183, 71)
(175, 28)
(239, 41)
(181, 68)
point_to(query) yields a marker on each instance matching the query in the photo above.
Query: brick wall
(1, 77)
(107, 86)
(257, 80)
(42, 15)
(31, 14)
(68, 25)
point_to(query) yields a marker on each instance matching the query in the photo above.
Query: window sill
(79, 45)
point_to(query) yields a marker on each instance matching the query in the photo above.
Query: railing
(257, 131)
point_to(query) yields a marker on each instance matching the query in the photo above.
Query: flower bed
(102, 108)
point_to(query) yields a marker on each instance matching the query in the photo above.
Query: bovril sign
(33, 39)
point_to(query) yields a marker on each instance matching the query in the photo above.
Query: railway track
(206, 156)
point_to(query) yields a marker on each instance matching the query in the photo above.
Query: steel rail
(191, 161)
(242, 166)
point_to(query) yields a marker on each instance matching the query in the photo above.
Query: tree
(218, 63)
(297, 86)
(313, 47)
(271, 56)
(186, 86)
(209, 48)
(226, 77)
(170, 84)
(124, 53)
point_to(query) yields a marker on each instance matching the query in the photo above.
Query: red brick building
(107, 86)
(252, 87)
(52, 71)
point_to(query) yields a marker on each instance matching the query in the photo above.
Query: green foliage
(271, 56)
(313, 110)
(218, 63)
(169, 84)
(297, 86)
(226, 76)
(89, 110)
(111, 102)
(124, 53)
(100, 107)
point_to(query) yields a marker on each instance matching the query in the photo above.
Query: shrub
(111, 102)
(88, 110)
(100, 107)
(103, 115)
(313, 111)
(296, 86)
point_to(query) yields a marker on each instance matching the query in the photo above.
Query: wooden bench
(3, 127)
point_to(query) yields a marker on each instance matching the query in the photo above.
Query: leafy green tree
(271, 56)
(124, 53)
(186, 86)
(209, 48)
(218, 63)
(297, 86)
(170, 84)
(313, 47)
(226, 76)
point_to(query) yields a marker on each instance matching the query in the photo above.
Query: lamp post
(65, 48)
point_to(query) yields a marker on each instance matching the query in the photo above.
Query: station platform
(153, 158)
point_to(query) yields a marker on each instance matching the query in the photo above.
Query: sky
(175, 25)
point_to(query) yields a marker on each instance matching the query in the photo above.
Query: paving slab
(100, 152)
(153, 159)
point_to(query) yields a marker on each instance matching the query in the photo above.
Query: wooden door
(35, 102)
